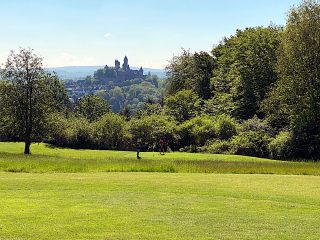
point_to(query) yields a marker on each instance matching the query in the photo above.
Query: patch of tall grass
(47, 159)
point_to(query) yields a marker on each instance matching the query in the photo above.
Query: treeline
(257, 93)
(266, 79)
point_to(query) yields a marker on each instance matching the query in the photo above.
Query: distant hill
(79, 72)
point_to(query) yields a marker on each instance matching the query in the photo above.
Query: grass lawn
(158, 206)
(85, 194)
(45, 159)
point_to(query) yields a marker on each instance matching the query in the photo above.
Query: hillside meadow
(47, 159)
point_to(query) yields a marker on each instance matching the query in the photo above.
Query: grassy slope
(45, 159)
(98, 205)
(158, 206)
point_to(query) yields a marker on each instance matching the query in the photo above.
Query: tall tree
(92, 107)
(245, 71)
(296, 97)
(190, 72)
(202, 73)
(29, 95)
(179, 72)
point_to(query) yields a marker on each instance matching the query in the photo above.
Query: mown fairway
(85, 194)
(46, 159)
(158, 206)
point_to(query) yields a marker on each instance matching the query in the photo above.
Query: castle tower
(140, 71)
(116, 65)
(125, 65)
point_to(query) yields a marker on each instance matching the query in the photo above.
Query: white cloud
(107, 35)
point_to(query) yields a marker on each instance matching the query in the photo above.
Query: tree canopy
(29, 94)
(92, 107)
(295, 99)
(245, 70)
(190, 72)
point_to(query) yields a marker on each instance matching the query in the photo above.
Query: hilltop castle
(125, 73)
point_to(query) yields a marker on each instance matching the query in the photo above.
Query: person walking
(162, 145)
(138, 149)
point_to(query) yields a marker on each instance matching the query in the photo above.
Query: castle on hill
(125, 73)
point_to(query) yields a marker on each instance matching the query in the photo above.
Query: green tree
(111, 132)
(196, 131)
(150, 108)
(92, 107)
(190, 72)
(203, 69)
(183, 105)
(245, 71)
(117, 99)
(295, 100)
(72, 131)
(201, 129)
(179, 72)
(99, 75)
(29, 94)
(150, 129)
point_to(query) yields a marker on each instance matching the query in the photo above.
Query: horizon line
(156, 68)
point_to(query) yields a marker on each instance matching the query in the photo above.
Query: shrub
(257, 125)
(57, 129)
(201, 129)
(197, 131)
(111, 132)
(217, 147)
(225, 127)
(281, 146)
(75, 132)
(190, 149)
(250, 143)
(150, 129)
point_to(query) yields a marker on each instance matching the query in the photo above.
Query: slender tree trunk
(28, 118)
(27, 136)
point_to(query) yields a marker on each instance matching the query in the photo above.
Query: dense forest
(257, 93)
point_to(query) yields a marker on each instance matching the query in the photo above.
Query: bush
(150, 129)
(281, 146)
(197, 131)
(257, 125)
(251, 144)
(111, 132)
(225, 127)
(217, 147)
(75, 132)
(190, 149)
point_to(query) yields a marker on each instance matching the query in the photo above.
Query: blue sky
(95, 32)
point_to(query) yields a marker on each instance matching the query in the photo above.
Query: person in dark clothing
(162, 145)
(138, 149)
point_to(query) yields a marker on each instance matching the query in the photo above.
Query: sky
(149, 32)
